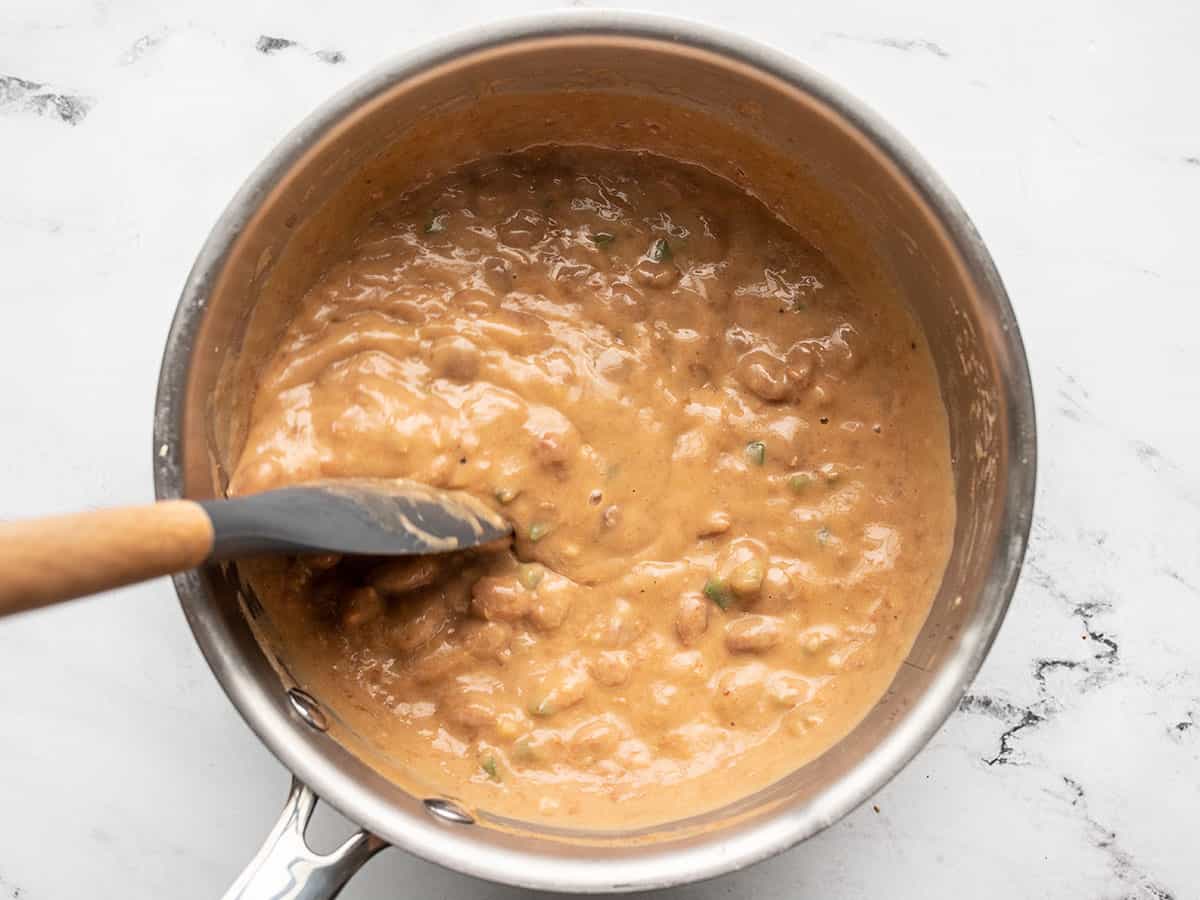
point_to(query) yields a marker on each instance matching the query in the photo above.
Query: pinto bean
(753, 633)
(551, 607)
(472, 712)
(560, 690)
(486, 640)
(519, 333)
(500, 597)
(717, 522)
(455, 357)
(540, 747)
(594, 740)
(399, 576)
(418, 622)
(686, 665)
(738, 694)
(763, 374)
(611, 667)
(790, 689)
(747, 578)
(777, 592)
(510, 724)
(555, 448)
(618, 628)
(438, 662)
(818, 638)
(691, 619)
(362, 606)
(657, 275)
(801, 366)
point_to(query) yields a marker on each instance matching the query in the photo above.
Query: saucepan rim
(776, 832)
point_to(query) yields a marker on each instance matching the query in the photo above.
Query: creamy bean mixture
(728, 475)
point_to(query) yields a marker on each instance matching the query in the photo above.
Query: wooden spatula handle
(45, 561)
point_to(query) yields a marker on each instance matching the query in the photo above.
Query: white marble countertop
(1069, 131)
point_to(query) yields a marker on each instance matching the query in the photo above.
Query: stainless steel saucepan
(810, 152)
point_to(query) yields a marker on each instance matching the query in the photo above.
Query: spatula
(45, 561)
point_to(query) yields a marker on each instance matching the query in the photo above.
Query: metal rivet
(308, 709)
(448, 811)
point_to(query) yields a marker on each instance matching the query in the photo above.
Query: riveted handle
(285, 868)
(45, 561)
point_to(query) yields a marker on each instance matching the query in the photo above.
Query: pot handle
(285, 868)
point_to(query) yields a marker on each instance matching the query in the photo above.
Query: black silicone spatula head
(370, 517)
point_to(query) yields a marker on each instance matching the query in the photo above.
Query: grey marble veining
(1068, 130)
(20, 96)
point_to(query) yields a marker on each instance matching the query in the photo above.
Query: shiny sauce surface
(728, 474)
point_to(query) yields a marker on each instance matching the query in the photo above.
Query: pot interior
(862, 199)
